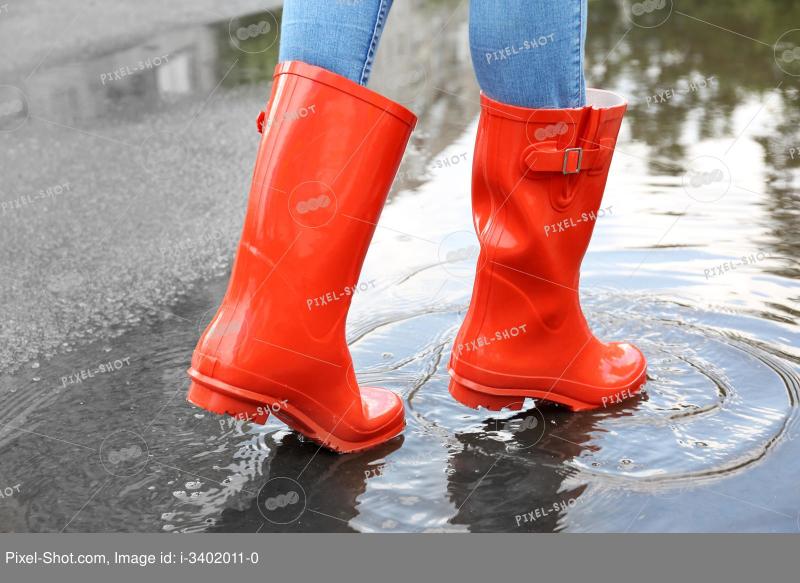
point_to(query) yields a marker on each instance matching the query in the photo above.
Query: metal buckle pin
(566, 157)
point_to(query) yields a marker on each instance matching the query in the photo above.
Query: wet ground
(126, 161)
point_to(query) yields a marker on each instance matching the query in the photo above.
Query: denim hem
(578, 99)
(373, 45)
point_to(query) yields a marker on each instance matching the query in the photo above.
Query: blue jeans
(525, 52)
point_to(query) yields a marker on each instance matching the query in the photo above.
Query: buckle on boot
(578, 162)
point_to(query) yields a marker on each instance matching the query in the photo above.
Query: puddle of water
(95, 434)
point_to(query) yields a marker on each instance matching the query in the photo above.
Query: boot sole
(218, 397)
(475, 395)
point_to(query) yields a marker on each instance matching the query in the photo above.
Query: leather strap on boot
(547, 157)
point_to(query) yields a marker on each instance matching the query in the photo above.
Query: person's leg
(542, 155)
(338, 35)
(529, 53)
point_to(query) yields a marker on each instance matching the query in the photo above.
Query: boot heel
(474, 399)
(217, 402)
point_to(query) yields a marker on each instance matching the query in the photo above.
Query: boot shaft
(325, 164)
(328, 155)
(538, 181)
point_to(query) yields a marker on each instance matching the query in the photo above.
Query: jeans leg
(339, 35)
(529, 52)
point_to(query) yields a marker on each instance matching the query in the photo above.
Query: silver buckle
(566, 157)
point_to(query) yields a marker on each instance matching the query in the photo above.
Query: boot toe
(380, 406)
(624, 365)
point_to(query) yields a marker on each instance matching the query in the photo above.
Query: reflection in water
(712, 445)
(329, 488)
(163, 71)
(688, 83)
(517, 483)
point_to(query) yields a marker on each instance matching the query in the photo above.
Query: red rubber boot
(538, 179)
(327, 159)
